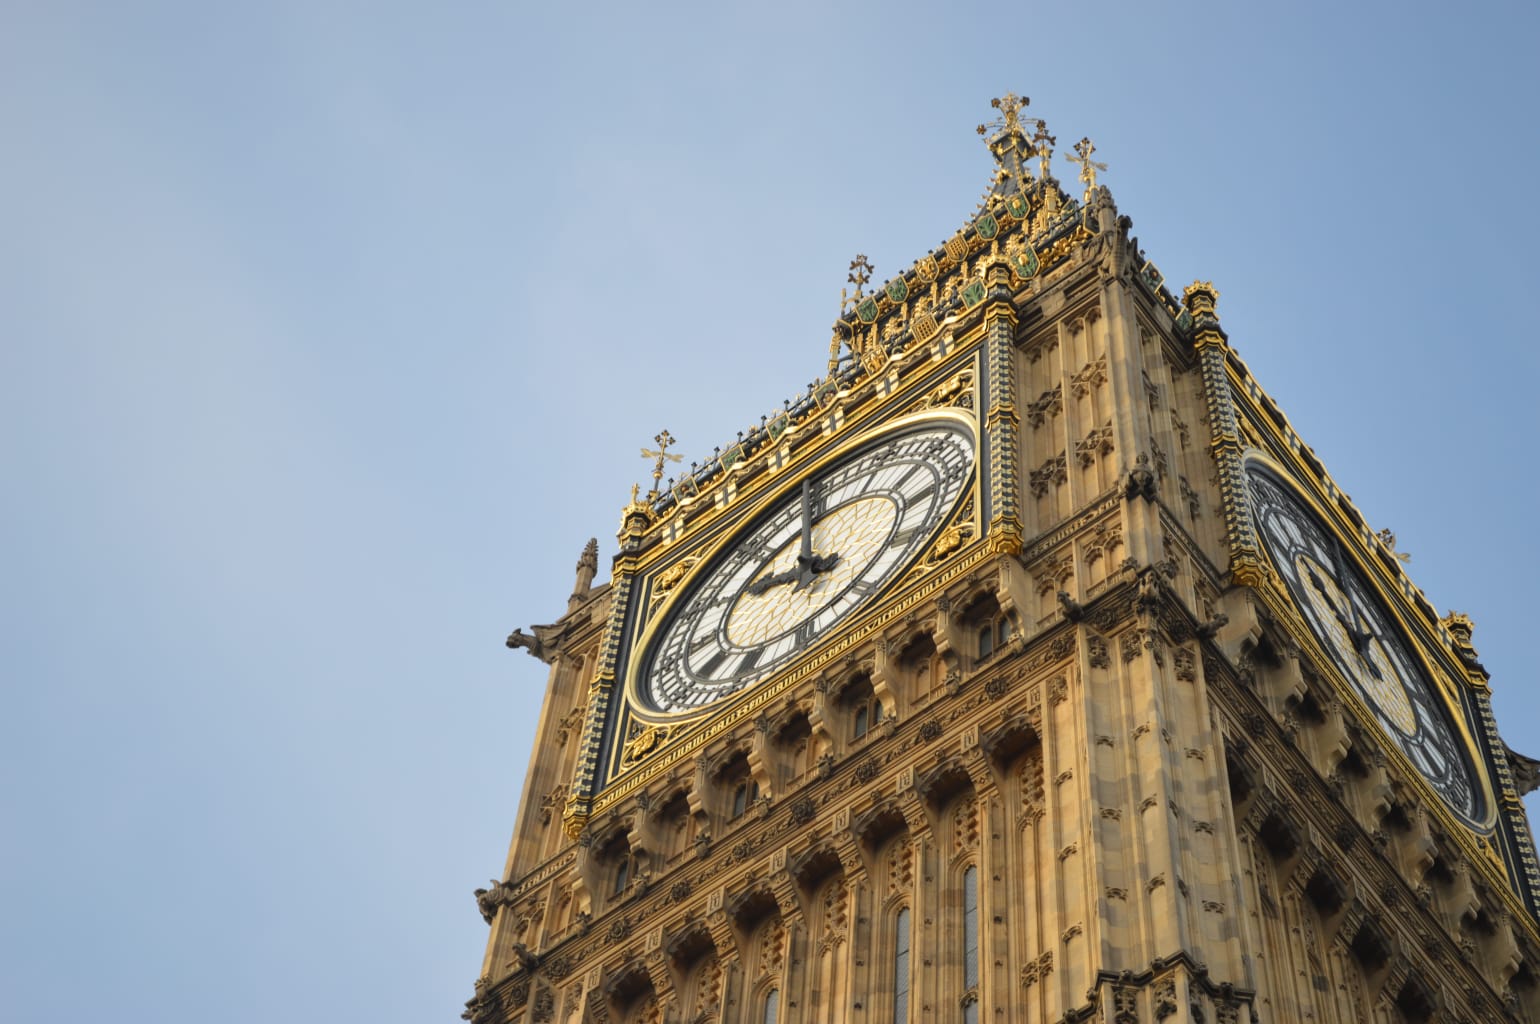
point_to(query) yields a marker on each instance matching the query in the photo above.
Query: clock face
(1362, 638)
(804, 567)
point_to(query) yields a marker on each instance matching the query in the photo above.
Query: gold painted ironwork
(1010, 106)
(1088, 167)
(663, 441)
(1042, 145)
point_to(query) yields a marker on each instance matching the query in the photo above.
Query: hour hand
(764, 583)
(811, 566)
(1360, 638)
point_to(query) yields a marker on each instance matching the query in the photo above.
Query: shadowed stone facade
(1083, 761)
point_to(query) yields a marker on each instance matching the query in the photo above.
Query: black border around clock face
(866, 517)
(1362, 638)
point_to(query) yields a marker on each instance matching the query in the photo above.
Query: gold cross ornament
(1088, 167)
(663, 440)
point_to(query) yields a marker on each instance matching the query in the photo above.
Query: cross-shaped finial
(1042, 145)
(1010, 105)
(860, 272)
(664, 440)
(1088, 167)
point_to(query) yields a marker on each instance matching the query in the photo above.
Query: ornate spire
(588, 565)
(1010, 106)
(1010, 145)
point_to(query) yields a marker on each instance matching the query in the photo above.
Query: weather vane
(1010, 106)
(663, 440)
(1088, 167)
(1042, 145)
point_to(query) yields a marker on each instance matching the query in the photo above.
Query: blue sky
(329, 333)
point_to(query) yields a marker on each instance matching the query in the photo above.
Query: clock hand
(763, 584)
(806, 557)
(1360, 640)
(1361, 637)
(810, 565)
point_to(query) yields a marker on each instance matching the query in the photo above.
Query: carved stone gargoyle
(1526, 770)
(543, 642)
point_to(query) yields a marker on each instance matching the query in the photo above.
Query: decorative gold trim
(747, 514)
(763, 696)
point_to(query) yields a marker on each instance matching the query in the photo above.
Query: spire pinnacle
(588, 565)
(1008, 142)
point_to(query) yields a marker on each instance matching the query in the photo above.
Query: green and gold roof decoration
(1024, 221)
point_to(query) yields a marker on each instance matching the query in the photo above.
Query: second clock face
(1361, 637)
(808, 564)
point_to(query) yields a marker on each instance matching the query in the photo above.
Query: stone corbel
(1333, 736)
(1504, 954)
(911, 805)
(847, 847)
(759, 766)
(821, 738)
(1381, 794)
(1463, 903)
(1013, 589)
(975, 761)
(882, 675)
(656, 960)
(1418, 847)
(720, 926)
(948, 637)
(784, 888)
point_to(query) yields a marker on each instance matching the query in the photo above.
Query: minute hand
(1361, 637)
(806, 557)
(808, 564)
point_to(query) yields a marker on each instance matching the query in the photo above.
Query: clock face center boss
(818, 554)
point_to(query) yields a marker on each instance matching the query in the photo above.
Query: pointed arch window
(970, 1001)
(993, 635)
(744, 794)
(772, 1006)
(901, 968)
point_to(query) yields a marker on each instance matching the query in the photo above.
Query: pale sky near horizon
(329, 333)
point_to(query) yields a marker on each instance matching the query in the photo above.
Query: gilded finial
(663, 441)
(1042, 145)
(1088, 167)
(860, 272)
(1010, 106)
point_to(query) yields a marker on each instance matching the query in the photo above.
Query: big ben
(1028, 667)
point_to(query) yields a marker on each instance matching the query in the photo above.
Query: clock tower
(1028, 667)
